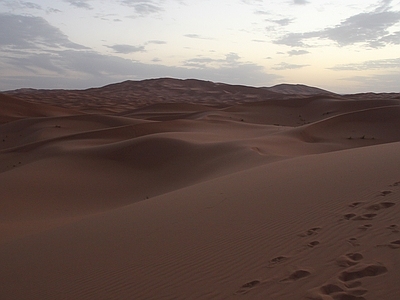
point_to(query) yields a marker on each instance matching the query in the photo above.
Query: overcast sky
(345, 46)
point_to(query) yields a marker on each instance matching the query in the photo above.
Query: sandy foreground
(289, 198)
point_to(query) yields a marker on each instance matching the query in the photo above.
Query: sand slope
(14, 109)
(296, 198)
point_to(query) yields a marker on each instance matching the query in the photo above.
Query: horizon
(183, 79)
(343, 47)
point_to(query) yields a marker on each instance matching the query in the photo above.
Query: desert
(188, 189)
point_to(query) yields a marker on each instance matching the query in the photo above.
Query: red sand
(296, 197)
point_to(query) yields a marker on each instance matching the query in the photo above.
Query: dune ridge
(212, 195)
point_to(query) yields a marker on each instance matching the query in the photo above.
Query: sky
(345, 46)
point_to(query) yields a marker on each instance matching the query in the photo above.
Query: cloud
(205, 62)
(36, 63)
(106, 17)
(157, 42)
(79, 3)
(232, 57)
(370, 29)
(143, 8)
(297, 52)
(262, 12)
(200, 62)
(31, 5)
(83, 69)
(68, 62)
(286, 66)
(393, 63)
(27, 32)
(193, 36)
(384, 5)
(20, 5)
(126, 49)
(67, 69)
(390, 39)
(363, 28)
(300, 2)
(35, 54)
(53, 10)
(251, 2)
(229, 70)
(282, 22)
(146, 9)
(296, 39)
(196, 36)
(388, 82)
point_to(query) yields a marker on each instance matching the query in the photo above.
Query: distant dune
(13, 109)
(135, 94)
(188, 189)
(297, 89)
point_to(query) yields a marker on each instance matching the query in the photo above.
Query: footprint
(336, 292)
(365, 217)
(355, 204)
(396, 242)
(329, 289)
(384, 193)
(349, 216)
(349, 259)
(355, 256)
(313, 244)
(277, 260)
(381, 205)
(245, 288)
(365, 227)
(312, 231)
(353, 284)
(392, 245)
(344, 262)
(251, 284)
(361, 271)
(353, 241)
(296, 275)
(394, 228)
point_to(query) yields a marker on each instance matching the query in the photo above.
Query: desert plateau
(188, 189)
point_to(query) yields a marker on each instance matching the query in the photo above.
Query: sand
(296, 197)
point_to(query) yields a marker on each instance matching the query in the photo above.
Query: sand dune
(14, 109)
(295, 197)
(370, 126)
(297, 89)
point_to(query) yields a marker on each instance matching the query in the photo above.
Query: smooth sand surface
(289, 198)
